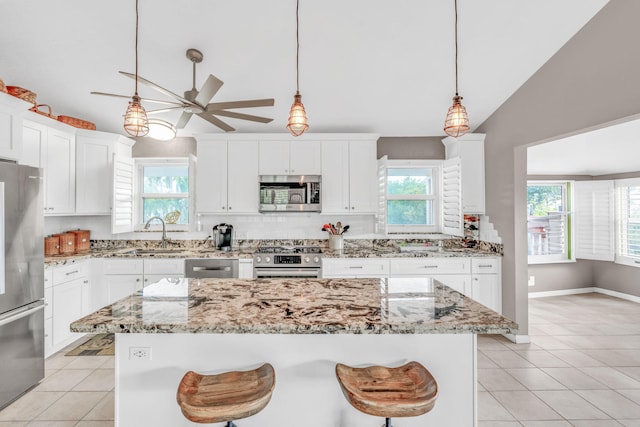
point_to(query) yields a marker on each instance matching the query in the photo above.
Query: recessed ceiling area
(365, 65)
(611, 150)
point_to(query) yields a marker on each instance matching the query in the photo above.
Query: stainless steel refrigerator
(21, 280)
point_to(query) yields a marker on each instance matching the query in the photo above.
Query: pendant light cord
(136, 91)
(455, 3)
(297, 47)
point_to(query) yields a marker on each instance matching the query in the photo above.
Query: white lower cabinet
(486, 282)
(453, 272)
(245, 269)
(355, 268)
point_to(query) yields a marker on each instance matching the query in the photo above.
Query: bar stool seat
(225, 397)
(406, 391)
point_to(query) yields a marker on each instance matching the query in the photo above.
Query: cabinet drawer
(355, 267)
(164, 266)
(429, 266)
(48, 302)
(122, 266)
(69, 272)
(485, 265)
(48, 278)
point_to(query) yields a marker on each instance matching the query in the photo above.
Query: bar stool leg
(387, 422)
(230, 424)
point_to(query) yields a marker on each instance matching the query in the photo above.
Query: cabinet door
(472, 165)
(335, 177)
(245, 269)
(485, 288)
(305, 158)
(121, 285)
(93, 175)
(67, 307)
(363, 176)
(243, 191)
(9, 133)
(457, 282)
(274, 158)
(211, 177)
(150, 279)
(168, 266)
(59, 174)
(34, 138)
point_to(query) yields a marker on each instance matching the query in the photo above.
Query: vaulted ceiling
(376, 66)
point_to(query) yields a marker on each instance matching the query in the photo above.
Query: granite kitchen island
(303, 327)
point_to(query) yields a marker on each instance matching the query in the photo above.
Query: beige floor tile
(63, 380)
(490, 342)
(499, 424)
(57, 361)
(51, 424)
(535, 379)
(603, 342)
(549, 343)
(612, 377)
(616, 357)
(84, 423)
(13, 423)
(103, 411)
(498, 380)
(489, 409)
(484, 362)
(110, 363)
(524, 406)
(89, 362)
(614, 404)
(29, 406)
(546, 424)
(480, 387)
(542, 359)
(576, 358)
(507, 359)
(74, 405)
(629, 423)
(570, 405)
(632, 371)
(98, 380)
(596, 423)
(631, 394)
(574, 379)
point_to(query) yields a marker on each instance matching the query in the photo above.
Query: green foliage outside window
(169, 180)
(542, 199)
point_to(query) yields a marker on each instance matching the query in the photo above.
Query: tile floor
(582, 369)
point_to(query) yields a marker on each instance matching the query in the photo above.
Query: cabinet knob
(137, 280)
(346, 207)
(292, 170)
(229, 207)
(224, 207)
(353, 207)
(86, 281)
(146, 280)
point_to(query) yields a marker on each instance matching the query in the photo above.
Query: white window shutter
(122, 215)
(381, 220)
(452, 222)
(594, 220)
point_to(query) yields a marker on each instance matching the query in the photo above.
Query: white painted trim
(518, 339)
(593, 289)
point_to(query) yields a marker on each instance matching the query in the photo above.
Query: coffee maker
(222, 236)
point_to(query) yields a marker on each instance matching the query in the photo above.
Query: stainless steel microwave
(290, 193)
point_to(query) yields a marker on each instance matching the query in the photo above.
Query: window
(628, 221)
(549, 221)
(411, 196)
(164, 189)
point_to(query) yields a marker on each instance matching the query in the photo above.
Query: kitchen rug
(97, 345)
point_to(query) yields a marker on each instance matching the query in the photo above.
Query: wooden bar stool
(407, 391)
(225, 397)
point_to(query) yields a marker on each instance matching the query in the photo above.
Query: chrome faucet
(164, 230)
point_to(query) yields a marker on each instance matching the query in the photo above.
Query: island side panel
(306, 392)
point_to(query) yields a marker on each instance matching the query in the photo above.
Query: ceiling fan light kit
(161, 130)
(135, 118)
(297, 115)
(456, 123)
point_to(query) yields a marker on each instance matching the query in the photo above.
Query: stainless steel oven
(287, 262)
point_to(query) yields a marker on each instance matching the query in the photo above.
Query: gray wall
(588, 83)
(178, 147)
(428, 147)
(616, 277)
(561, 276)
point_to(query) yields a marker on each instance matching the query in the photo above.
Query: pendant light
(457, 122)
(161, 130)
(135, 119)
(297, 116)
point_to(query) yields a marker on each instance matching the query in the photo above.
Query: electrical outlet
(139, 353)
(532, 280)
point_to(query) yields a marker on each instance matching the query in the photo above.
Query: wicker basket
(22, 93)
(51, 246)
(82, 240)
(67, 243)
(48, 113)
(77, 123)
(3, 88)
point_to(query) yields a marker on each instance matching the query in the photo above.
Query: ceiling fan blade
(157, 87)
(183, 120)
(216, 122)
(209, 89)
(240, 116)
(164, 110)
(241, 104)
(156, 101)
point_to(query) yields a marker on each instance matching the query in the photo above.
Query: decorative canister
(67, 243)
(51, 246)
(336, 242)
(82, 240)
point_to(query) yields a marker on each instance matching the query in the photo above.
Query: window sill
(629, 262)
(559, 261)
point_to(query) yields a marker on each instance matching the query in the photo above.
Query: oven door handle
(285, 272)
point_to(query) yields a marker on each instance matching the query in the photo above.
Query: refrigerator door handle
(24, 313)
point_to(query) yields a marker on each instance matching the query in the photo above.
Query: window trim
(436, 167)
(619, 258)
(140, 164)
(568, 256)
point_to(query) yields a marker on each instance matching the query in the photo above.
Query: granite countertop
(296, 306)
(392, 252)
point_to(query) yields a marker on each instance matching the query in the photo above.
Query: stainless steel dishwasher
(214, 268)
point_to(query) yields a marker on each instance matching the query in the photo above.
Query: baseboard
(562, 292)
(518, 339)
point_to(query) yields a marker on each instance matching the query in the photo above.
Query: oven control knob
(316, 259)
(307, 259)
(258, 260)
(267, 259)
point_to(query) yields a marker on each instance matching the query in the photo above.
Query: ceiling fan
(197, 102)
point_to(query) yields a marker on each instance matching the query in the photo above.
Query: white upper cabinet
(11, 109)
(470, 150)
(363, 176)
(335, 177)
(296, 157)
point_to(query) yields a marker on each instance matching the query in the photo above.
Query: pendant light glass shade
(297, 117)
(457, 122)
(161, 130)
(135, 119)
